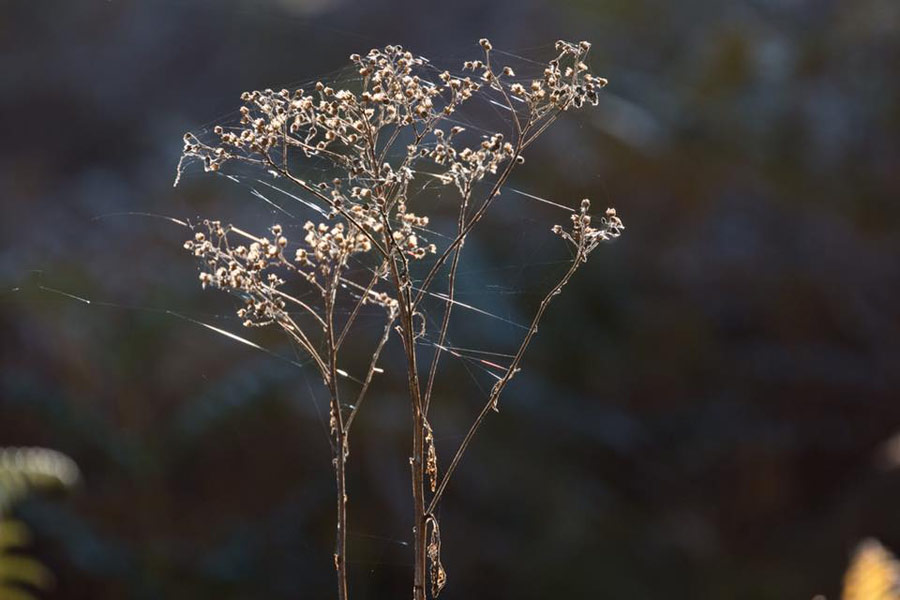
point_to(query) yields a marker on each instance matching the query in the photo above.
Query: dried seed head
(370, 204)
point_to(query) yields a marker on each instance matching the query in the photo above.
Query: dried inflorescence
(585, 236)
(371, 148)
(254, 270)
(566, 80)
(343, 126)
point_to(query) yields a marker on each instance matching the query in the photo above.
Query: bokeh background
(703, 415)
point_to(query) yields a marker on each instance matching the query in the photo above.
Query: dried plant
(375, 148)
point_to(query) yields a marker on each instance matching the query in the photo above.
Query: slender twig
(376, 277)
(451, 288)
(301, 338)
(370, 373)
(494, 80)
(461, 236)
(498, 388)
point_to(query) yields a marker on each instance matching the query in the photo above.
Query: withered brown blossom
(374, 145)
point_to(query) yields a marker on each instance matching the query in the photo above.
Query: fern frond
(23, 470)
(17, 569)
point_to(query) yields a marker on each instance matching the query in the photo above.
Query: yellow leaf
(874, 573)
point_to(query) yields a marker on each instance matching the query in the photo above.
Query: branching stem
(498, 388)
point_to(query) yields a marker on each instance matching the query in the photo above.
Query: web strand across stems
(350, 157)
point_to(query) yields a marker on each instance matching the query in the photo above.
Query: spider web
(520, 219)
(508, 263)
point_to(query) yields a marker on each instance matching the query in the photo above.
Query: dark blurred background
(703, 414)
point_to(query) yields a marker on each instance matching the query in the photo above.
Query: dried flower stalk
(382, 140)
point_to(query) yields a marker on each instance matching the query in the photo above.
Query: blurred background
(706, 413)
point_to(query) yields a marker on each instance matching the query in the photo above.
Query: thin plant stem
(493, 398)
(340, 441)
(445, 323)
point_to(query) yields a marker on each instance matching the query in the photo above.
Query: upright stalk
(399, 270)
(340, 553)
(417, 461)
(420, 576)
(339, 437)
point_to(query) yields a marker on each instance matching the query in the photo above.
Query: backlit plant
(361, 161)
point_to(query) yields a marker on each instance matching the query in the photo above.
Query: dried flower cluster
(382, 141)
(585, 237)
